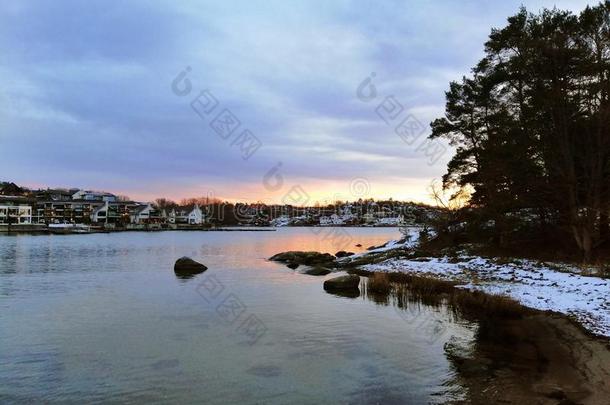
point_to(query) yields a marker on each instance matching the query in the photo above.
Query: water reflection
(344, 294)
(103, 318)
(515, 355)
(185, 277)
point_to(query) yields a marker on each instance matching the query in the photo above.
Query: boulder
(342, 283)
(305, 258)
(292, 265)
(186, 267)
(343, 253)
(474, 368)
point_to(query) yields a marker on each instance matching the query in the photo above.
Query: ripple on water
(102, 318)
(265, 371)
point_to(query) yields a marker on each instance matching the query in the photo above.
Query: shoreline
(581, 298)
(69, 232)
(575, 292)
(554, 357)
(524, 348)
(44, 230)
(518, 354)
(546, 357)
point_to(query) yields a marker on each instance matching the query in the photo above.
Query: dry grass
(426, 286)
(427, 290)
(378, 283)
(403, 289)
(476, 304)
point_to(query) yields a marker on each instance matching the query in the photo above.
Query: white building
(283, 220)
(369, 218)
(100, 214)
(192, 215)
(15, 214)
(195, 216)
(93, 196)
(332, 220)
(141, 214)
(389, 221)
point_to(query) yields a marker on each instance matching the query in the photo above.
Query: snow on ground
(409, 239)
(532, 284)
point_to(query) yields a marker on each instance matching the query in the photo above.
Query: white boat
(69, 228)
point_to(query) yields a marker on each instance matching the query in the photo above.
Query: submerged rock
(556, 393)
(265, 371)
(317, 271)
(458, 349)
(165, 364)
(306, 258)
(343, 253)
(185, 267)
(461, 354)
(349, 282)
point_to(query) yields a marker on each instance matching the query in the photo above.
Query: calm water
(103, 318)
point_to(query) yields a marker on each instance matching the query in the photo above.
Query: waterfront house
(333, 220)
(389, 221)
(66, 212)
(189, 214)
(15, 211)
(145, 214)
(369, 218)
(325, 221)
(171, 216)
(282, 220)
(113, 213)
(100, 213)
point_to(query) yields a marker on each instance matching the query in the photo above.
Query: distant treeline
(229, 213)
(531, 126)
(222, 212)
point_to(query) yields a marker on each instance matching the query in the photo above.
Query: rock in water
(305, 258)
(349, 282)
(186, 267)
(343, 253)
(317, 271)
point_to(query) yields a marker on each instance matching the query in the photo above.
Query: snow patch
(534, 285)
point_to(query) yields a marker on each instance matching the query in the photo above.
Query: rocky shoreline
(522, 351)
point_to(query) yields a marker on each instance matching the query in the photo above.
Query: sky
(273, 101)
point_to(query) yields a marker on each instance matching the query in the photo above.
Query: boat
(64, 228)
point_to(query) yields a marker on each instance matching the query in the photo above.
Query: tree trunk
(604, 227)
(584, 241)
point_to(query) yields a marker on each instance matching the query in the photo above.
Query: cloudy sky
(86, 96)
